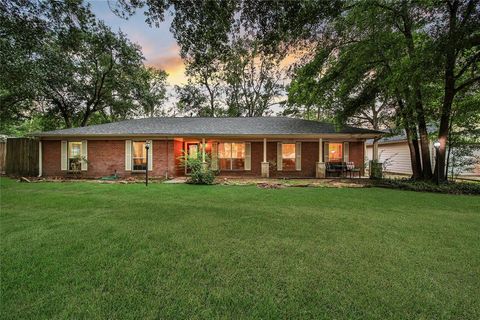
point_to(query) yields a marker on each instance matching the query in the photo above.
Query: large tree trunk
(412, 139)
(424, 141)
(417, 95)
(414, 154)
(449, 95)
(444, 129)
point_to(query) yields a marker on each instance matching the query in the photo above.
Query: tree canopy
(60, 62)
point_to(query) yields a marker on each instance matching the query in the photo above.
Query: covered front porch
(276, 157)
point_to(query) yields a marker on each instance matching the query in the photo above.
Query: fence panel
(3, 153)
(22, 157)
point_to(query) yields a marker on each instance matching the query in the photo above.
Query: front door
(192, 151)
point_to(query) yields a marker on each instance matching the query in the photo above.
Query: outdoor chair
(335, 169)
(352, 170)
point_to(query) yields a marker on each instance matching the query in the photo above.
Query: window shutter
(279, 157)
(128, 155)
(150, 155)
(346, 152)
(64, 156)
(214, 156)
(298, 156)
(84, 163)
(248, 156)
(325, 152)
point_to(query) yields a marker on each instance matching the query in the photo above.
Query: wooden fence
(3, 153)
(22, 157)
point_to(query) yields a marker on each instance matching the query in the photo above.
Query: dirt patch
(295, 183)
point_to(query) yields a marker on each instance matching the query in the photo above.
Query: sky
(158, 45)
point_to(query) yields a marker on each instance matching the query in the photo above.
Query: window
(139, 156)
(335, 152)
(288, 156)
(192, 150)
(231, 156)
(74, 155)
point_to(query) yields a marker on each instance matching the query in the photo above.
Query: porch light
(437, 145)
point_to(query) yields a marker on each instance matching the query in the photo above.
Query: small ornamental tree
(76, 165)
(200, 172)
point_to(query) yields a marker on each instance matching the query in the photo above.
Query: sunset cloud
(170, 61)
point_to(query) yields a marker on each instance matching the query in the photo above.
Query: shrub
(200, 173)
(427, 186)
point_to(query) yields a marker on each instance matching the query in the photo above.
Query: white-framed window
(231, 156)
(335, 152)
(139, 156)
(74, 153)
(288, 156)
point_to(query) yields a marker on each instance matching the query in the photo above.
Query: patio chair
(351, 169)
(335, 168)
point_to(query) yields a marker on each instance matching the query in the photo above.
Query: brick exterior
(107, 156)
(357, 154)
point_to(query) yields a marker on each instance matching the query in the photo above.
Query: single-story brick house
(261, 146)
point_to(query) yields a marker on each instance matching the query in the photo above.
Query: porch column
(365, 158)
(265, 164)
(320, 167)
(40, 164)
(375, 149)
(204, 163)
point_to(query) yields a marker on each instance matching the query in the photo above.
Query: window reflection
(231, 156)
(288, 156)
(335, 152)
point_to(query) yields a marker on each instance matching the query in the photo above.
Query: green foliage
(152, 91)
(58, 60)
(199, 172)
(76, 165)
(192, 101)
(376, 169)
(472, 188)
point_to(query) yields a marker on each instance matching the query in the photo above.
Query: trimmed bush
(427, 186)
(200, 172)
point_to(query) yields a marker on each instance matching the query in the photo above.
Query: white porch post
(365, 158)
(375, 150)
(265, 164)
(320, 168)
(40, 164)
(204, 163)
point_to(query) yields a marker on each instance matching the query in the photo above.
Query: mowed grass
(86, 250)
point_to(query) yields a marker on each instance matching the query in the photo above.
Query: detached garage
(394, 153)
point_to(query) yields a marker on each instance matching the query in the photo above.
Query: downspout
(168, 162)
(40, 164)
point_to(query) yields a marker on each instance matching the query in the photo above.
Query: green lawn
(86, 250)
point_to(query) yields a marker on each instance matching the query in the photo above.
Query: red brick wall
(356, 154)
(106, 156)
(51, 158)
(309, 159)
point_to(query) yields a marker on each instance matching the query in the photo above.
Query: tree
(253, 80)
(58, 60)
(24, 25)
(458, 43)
(153, 92)
(464, 133)
(192, 101)
(82, 80)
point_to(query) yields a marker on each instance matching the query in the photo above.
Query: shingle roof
(210, 126)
